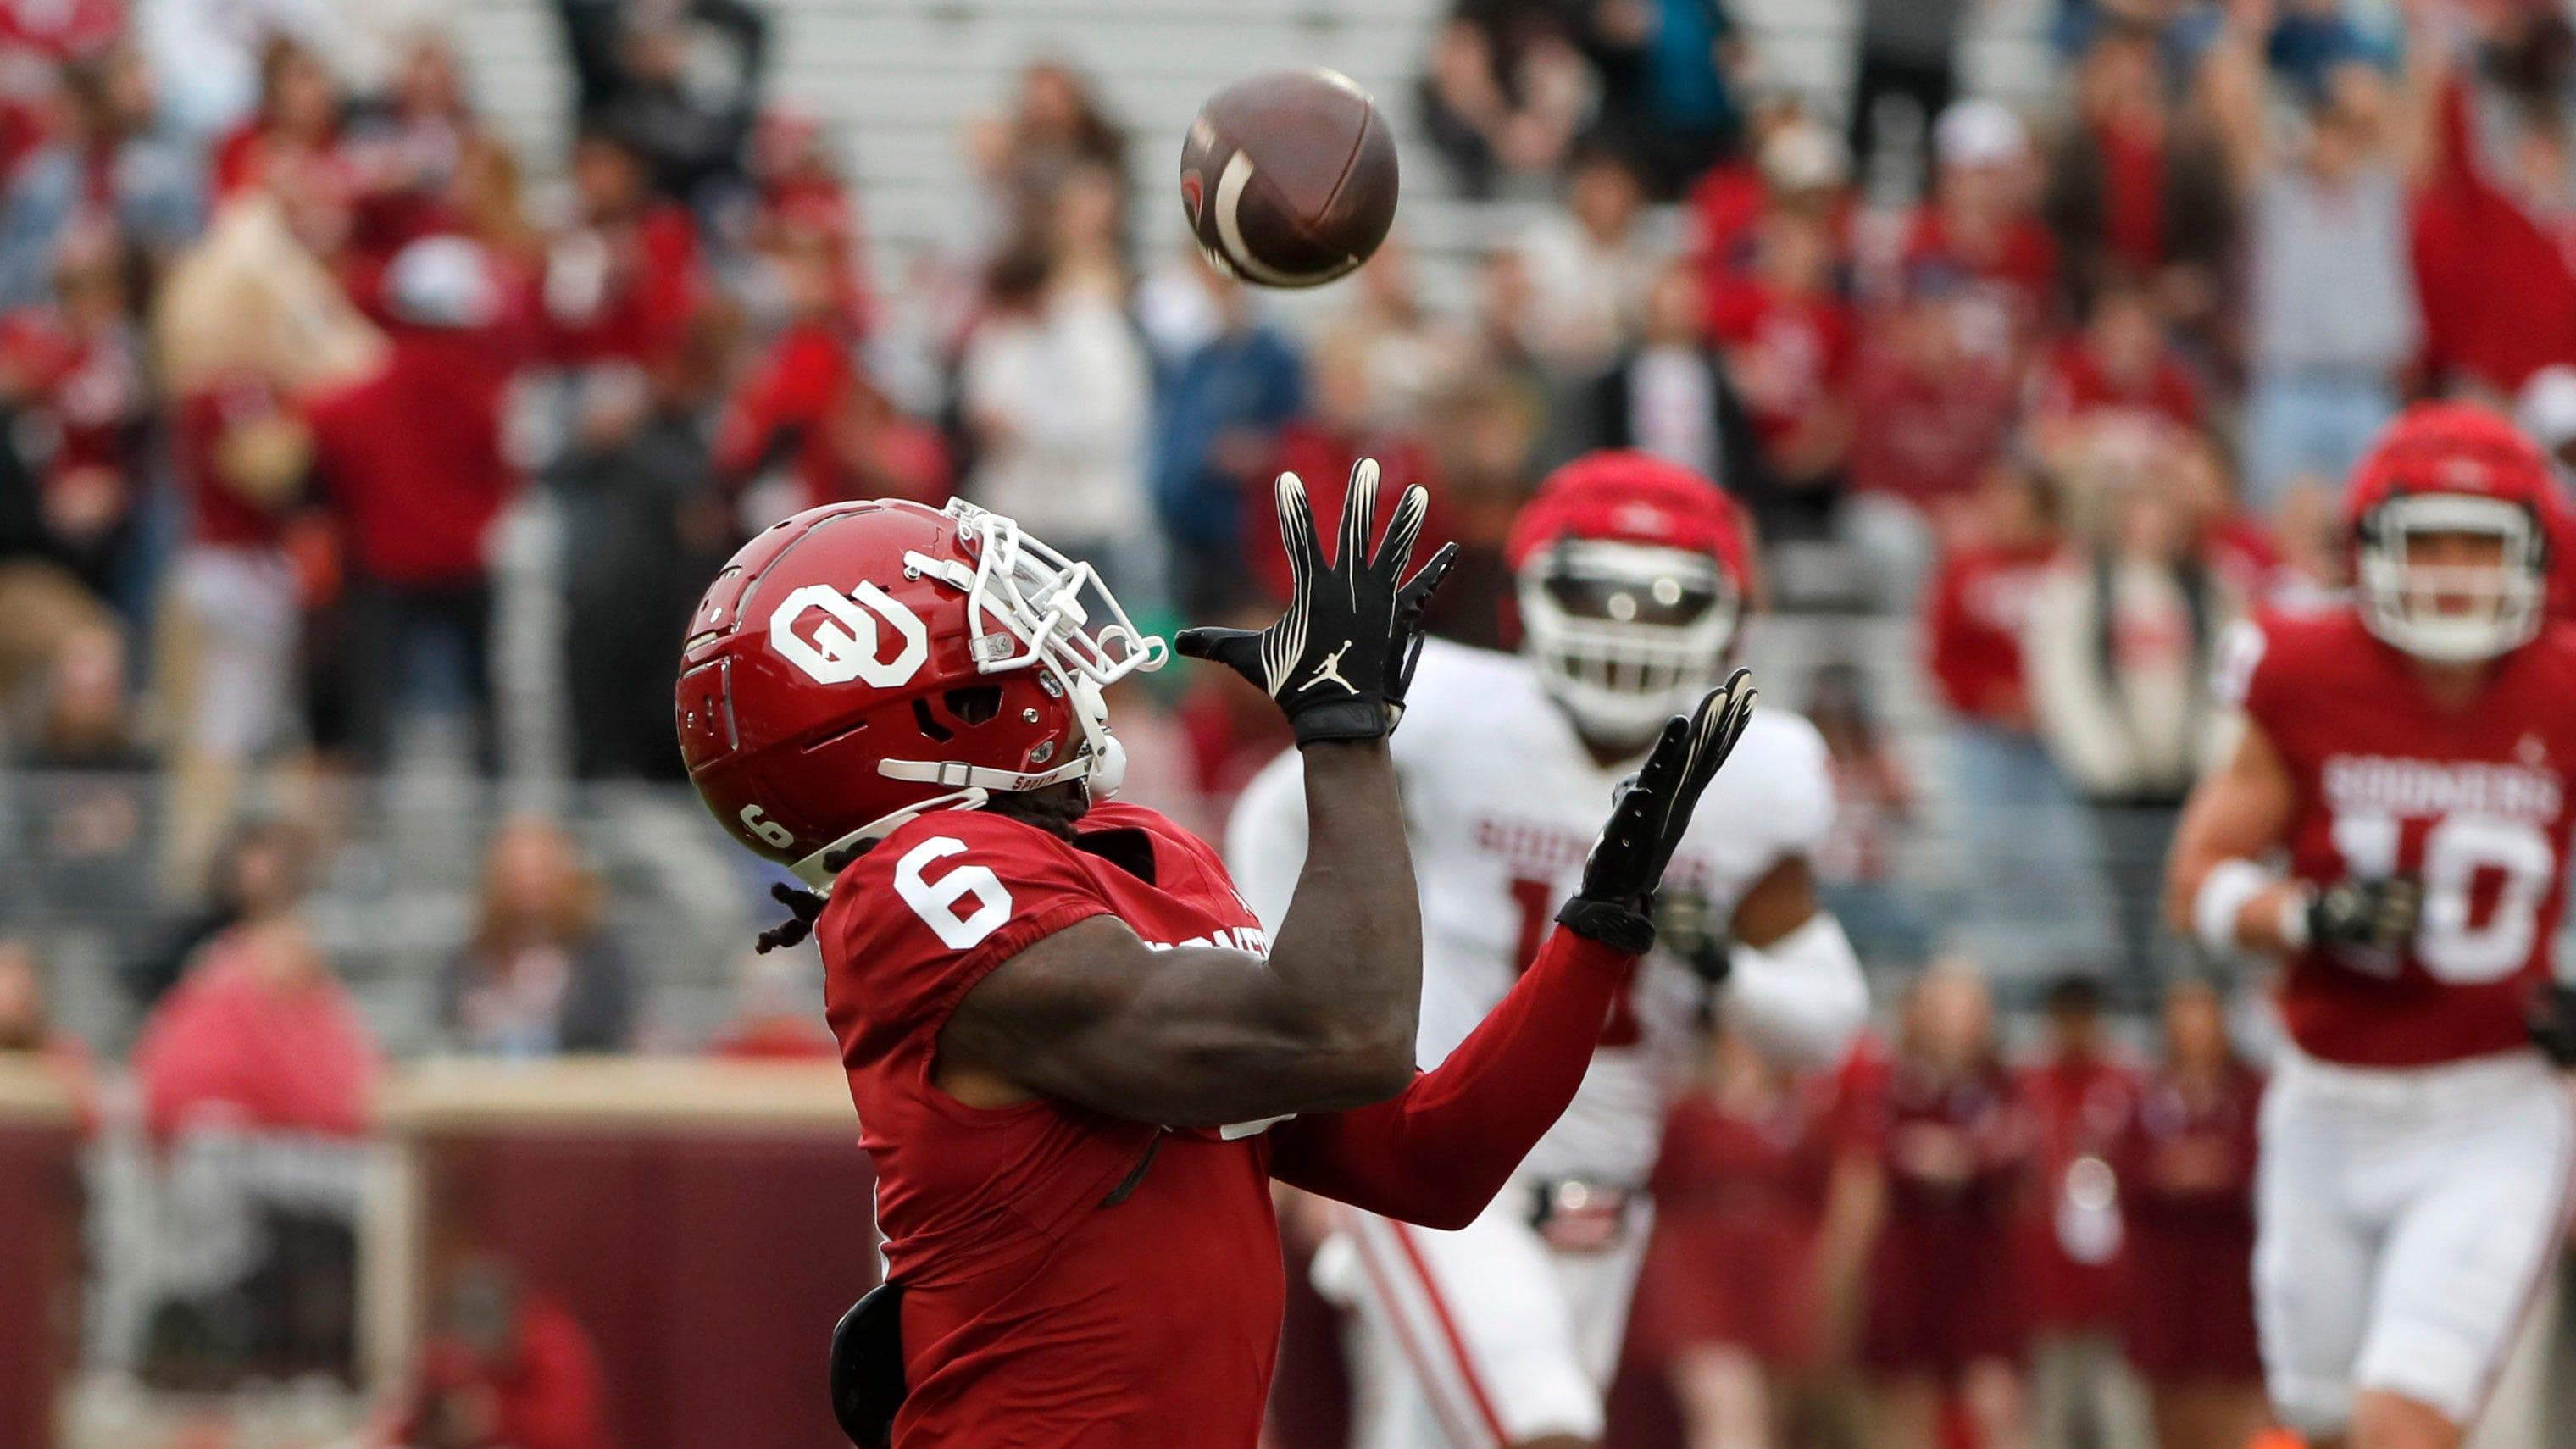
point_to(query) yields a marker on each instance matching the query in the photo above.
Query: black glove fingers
(1417, 591)
(1395, 547)
(1359, 519)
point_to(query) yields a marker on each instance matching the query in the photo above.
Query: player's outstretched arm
(1438, 1153)
(1196, 1036)
(2217, 890)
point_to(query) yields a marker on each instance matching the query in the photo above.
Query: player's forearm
(1350, 944)
(1801, 998)
(2237, 905)
(1437, 1154)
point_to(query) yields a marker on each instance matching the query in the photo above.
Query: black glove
(2553, 1023)
(2371, 915)
(1339, 660)
(1616, 903)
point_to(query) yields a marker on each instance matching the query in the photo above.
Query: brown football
(1288, 178)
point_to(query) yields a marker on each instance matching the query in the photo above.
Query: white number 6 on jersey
(936, 901)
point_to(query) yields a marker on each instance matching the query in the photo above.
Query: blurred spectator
(2119, 368)
(2118, 646)
(2496, 284)
(2136, 193)
(1978, 242)
(541, 975)
(411, 153)
(1408, 352)
(2244, 552)
(75, 368)
(504, 1367)
(1873, 802)
(412, 458)
(259, 1036)
(1939, 1150)
(1727, 1306)
(1217, 412)
(1055, 387)
(231, 620)
(297, 122)
(777, 1008)
(1504, 91)
(2187, 1172)
(805, 405)
(1055, 124)
(2082, 1092)
(801, 186)
(1590, 265)
(1907, 50)
(258, 875)
(1669, 395)
(1668, 71)
(1931, 416)
(639, 73)
(2332, 323)
(85, 725)
(1791, 162)
(1791, 343)
(28, 1032)
(1343, 426)
(105, 161)
(644, 528)
(621, 283)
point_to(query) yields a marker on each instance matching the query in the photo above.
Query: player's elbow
(1362, 1066)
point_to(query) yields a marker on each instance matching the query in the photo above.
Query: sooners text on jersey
(2474, 804)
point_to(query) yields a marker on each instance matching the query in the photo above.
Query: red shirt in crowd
(1955, 1150)
(202, 426)
(2074, 1270)
(1973, 628)
(1790, 357)
(808, 401)
(1739, 1190)
(2494, 280)
(2186, 1166)
(412, 456)
(2076, 386)
(2133, 198)
(232, 1046)
(2008, 284)
(547, 1394)
(1929, 439)
(638, 308)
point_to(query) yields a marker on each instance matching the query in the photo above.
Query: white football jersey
(1502, 803)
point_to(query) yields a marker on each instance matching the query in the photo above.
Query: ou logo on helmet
(844, 646)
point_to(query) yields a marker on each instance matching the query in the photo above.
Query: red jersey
(2073, 1265)
(1073, 1278)
(1973, 626)
(2074, 385)
(2473, 803)
(2186, 1169)
(1790, 357)
(2493, 274)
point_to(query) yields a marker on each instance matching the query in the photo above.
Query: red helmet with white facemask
(1632, 575)
(859, 664)
(2444, 470)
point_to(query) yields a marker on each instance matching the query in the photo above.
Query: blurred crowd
(290, 335)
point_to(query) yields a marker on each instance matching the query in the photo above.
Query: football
(1288, 178)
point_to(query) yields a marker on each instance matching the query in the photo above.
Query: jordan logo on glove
(1331, 669)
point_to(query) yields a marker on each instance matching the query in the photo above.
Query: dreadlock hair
(804, 907)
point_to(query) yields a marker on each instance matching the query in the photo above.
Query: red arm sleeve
(1438, 1152)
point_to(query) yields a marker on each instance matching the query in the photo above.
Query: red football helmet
(861, 663)
(1632, 575)
(2446, 469)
